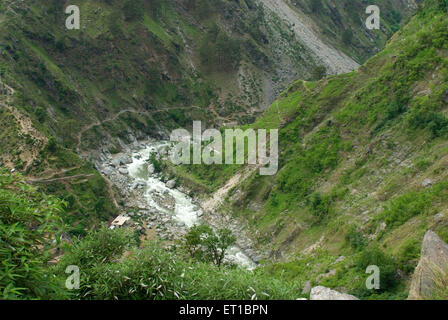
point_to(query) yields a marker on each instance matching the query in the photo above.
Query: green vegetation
(157, 163)
(355, 148)
(205, 244)
(111, 265)
(155, 273)
(220, 51)
(413, 203)
(29, 222)
(354, 152)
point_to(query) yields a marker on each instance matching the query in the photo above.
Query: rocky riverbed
(155, 202)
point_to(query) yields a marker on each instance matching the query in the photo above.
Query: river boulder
(123, 171)
(323, 293)
(171, 184)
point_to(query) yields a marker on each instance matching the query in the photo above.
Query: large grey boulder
(115, 163)
(433, 266)
(171, 184)
(123, 171)
(323, 293)
(125, 159)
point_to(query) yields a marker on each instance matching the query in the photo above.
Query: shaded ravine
(161, 206)
(334, 60)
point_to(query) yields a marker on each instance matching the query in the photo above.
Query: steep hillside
(363, 165)
(363, 155)
(134, 69)
(342, 23)
(220, 61)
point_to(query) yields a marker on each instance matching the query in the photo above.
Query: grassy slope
(355, 150)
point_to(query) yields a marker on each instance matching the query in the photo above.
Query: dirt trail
(110, 190)
(45, 181)
(335, 61)
(217, 199)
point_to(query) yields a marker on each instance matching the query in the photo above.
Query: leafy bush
(320, 206)
(29, 221)
(355, 238)
(387, 265)
(205, 244)
(157, 163)
(97, 247)
(408, 256)
(319, 72)
(413, 203)
(435, 122)
(134, 10)
(41, 114)
(52, 145)
(156, 273)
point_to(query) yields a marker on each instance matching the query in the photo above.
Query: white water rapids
(185, 211)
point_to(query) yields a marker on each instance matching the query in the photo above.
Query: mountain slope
(134, 69)
(363, 164)
(334, 61)
(342, 23)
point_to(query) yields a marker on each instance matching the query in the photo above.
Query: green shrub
(320, 206)
(355, 238)
(319, 72)
(134, 10)
(52, 145)
(387, 265)
(101, 246)
(205, 244)
(405, 207)
(413, 203)
(157, 163)
(29, 221)
(156, 273)
(435, 122)
(408, 256)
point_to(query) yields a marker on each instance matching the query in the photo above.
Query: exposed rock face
(433, 264)
(323, 293)
(334, 60)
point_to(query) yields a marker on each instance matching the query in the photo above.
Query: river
(161, 202)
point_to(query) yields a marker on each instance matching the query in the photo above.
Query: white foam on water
(185, 210)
